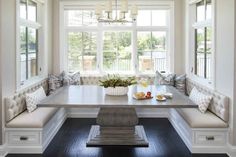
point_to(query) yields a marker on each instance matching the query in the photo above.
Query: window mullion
(205, 52)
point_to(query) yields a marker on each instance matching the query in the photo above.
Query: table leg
(117, 126)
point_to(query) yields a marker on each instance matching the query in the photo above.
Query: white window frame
(90, 5)
(193, 25)
(42, 43)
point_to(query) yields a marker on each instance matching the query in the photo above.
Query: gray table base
(117, 127)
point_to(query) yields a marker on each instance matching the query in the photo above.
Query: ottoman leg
(117, 127)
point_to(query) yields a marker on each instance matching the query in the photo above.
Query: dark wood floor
(71, 138)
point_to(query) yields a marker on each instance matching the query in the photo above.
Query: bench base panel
(199, 140)
(34, 140)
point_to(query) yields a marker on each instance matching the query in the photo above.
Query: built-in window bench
(203, 132)
(32, 132)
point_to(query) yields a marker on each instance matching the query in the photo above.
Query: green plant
(117, 81)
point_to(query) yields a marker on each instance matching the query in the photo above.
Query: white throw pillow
(32, 99)
(202, 100)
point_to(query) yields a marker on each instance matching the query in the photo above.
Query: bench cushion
(196, 119)
(36, 119)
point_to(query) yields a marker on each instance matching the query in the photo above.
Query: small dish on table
(160, 98)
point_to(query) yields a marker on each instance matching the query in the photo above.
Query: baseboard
(3, 151)
(231, 150)
(24, 149)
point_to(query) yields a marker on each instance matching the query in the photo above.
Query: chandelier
(105, 16)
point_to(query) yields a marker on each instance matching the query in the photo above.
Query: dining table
(117, 120)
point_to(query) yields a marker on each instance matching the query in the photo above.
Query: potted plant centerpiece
(115, 85)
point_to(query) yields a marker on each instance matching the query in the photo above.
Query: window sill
(202, 81)
(30, 82)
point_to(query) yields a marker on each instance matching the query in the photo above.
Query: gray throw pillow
(180, 83)
(55, 82)
(162, 79)
(73, 79)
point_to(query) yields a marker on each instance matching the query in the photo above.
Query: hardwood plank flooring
(70, 141)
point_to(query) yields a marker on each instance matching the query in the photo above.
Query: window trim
(39, 26)
(133, 28)
(196, 25)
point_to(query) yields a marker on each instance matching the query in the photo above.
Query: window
(117, 51)
(138, 48)
(203, 40)
(28, 40)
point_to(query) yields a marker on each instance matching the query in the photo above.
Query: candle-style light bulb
(124, 6)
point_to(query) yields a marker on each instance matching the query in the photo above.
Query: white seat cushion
(196, 119)
(36, 119)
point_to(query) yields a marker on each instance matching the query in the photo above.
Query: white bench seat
(35, 119)
(196, 119)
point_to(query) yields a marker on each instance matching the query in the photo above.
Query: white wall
(0, 70)
(179, 37)
(8, 50)
(225, 57)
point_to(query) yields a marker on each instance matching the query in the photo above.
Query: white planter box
(116, 91)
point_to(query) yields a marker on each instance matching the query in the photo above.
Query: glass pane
(152, 51)
(200, 11)
(200, 64)
(117, 51)
(145, 51)
(159, 41)
(200, 54)
(32, 52)
(32, 11)
(89, 51)
(208, 9)
(74, 51)
(159, 46)
(23, 52)
(74, 18)
(89, 18)
(23, 9)
(209, 52)
(144, 18)
(81, 18)
(159, 18)
(200, 40)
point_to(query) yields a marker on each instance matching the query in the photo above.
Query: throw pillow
(165, 79)
(180, 83)
(71, 79)
(55, 82)
(201, 99)
(32, 99)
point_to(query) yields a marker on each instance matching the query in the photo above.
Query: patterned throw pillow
(71, 79)
(32, 99)
(180, 83)
(202, 100)
(55, 82)
(165, 80)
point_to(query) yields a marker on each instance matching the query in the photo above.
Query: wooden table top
(90, 96)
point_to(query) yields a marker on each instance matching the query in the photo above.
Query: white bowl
(116, 91)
